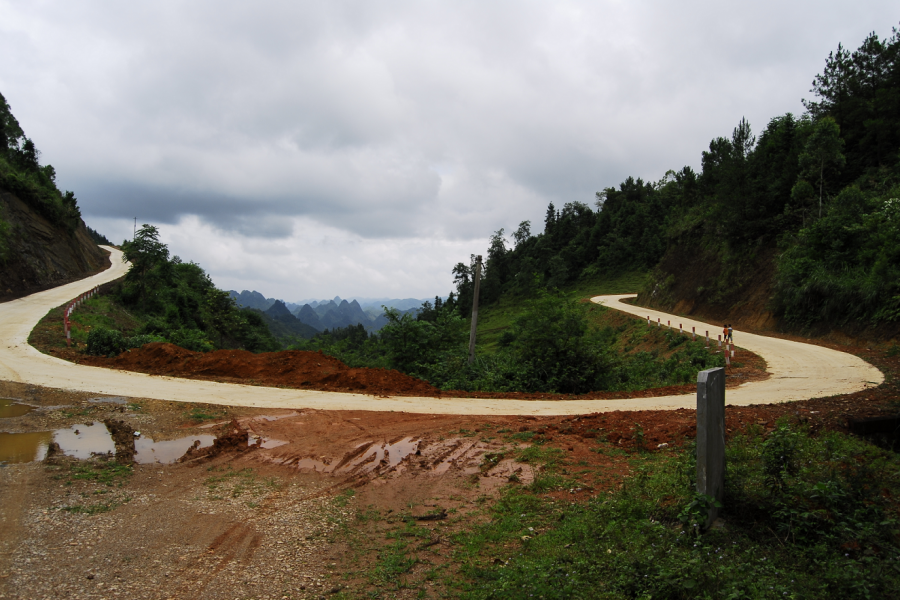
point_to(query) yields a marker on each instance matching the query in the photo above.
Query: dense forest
(811, 200)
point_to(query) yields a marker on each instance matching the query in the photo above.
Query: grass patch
(96, 509)
(199, 415)
(344, 497)
(108, 473)
(393, 562)
(235, 484)
(99, 311)
(806, 517)
(495, 319)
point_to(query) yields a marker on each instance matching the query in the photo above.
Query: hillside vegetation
(798, 226)
(162, 298)
(43, 241)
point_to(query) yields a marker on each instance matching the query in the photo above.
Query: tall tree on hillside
(823, 150)
(144, 253)
(10, 130)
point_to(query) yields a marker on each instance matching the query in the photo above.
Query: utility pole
(134, 235)
(474, 310)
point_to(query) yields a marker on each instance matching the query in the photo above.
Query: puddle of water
(11, 408)
(399, 450)
(24, 447)
(167, 451)
(111, 399)
(268, 443)
(83, 441)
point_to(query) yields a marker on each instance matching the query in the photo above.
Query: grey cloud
(396, 120)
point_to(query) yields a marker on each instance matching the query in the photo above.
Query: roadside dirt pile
(290, 368)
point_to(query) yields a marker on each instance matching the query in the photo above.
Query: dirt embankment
(289, 368)
(317, 371)
(692, 280)
(41, 255)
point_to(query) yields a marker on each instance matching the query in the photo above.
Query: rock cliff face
(39, 255)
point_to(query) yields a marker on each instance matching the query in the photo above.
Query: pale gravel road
(799, 371)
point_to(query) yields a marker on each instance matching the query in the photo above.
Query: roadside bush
(109, 342)
(105, 342)
(191, 339)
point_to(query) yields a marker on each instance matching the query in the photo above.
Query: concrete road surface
(799, 371)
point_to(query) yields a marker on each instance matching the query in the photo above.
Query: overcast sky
(313, 149)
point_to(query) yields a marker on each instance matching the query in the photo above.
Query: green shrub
(105, 342)
(191, 339)
(109, 342)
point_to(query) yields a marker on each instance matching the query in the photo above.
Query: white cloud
(401, 127)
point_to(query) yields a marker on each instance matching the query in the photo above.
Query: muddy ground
(308, 518)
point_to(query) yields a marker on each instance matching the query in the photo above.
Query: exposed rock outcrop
(40, 255)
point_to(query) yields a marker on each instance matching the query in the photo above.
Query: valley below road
(308, 503)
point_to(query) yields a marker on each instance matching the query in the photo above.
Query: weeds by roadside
(806, 517)
(235, 484)
(82, 475)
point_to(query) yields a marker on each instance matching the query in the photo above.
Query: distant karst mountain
(284, 325)
(319, 315)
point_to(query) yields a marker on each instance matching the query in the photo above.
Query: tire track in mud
(373, 462)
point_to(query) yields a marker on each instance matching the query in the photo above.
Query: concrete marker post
(707, 339)
(693, 334)
(711, 438)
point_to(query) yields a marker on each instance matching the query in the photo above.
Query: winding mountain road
(798, 371)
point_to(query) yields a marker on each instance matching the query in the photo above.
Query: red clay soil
(317, 371)
(289, 368)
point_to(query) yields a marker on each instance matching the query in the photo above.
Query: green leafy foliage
(830, 532)
(844, 267)
(22, 174)
(109, 342)
(549, 346)
(98, 237)
(177, 302)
